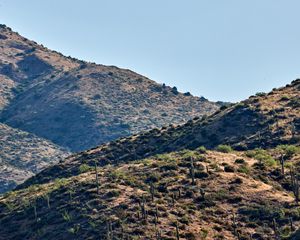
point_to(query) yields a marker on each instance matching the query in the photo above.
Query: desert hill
(232, 195)
(74, 105)
(265, 120)
(79, 105)
(164, 184)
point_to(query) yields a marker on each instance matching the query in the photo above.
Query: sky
(222, 50)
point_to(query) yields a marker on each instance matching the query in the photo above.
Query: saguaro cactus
(202, 192)
(97, 178)
(177, 231)
(192, 170)
(152, 191)
(295, 185)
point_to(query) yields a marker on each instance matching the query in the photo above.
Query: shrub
(229, 168)
(201, 175)
(84, 168)
(262, 156)
(224, 148)
(244, 169)
(240, 161)
(113, 193)
(201, 149)
(223, 107)
(260, 94)
(289, 150)
(174, 90)
(284, 98)
(237, 181)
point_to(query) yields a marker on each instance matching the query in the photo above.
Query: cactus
(152, 191)
(173, 199)
(192, 171)
(291, 224)
(97, 178)
(202, 192)
(156, 213)
(143, 208)
(177, 231)
(281, 160)
(293, 130)
(295, 185)
(179, 192)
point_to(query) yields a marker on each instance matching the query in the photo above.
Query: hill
(163, 184)
(79, 105)
(233, 196)
(265, 120)
(22, 155)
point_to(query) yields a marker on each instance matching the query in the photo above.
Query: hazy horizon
(222, 51)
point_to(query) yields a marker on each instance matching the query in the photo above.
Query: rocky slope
(232, 196)
(22, 155)
(266, 120)
(164, 184)
(79, 105)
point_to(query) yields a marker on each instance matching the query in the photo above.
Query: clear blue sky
(223, 50)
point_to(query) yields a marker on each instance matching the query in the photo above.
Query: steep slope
(22, 155)
(264, 121)
(80, 105)
(232, 196)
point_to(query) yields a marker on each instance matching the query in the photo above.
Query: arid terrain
(74, 105)
(231, 175)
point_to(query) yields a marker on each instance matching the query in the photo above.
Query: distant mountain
(22, 155)
(164, 184)
(79, 105)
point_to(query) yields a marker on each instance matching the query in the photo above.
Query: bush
(244, 169)
(260, 94)
(288, 150)
(229, 168)
(262, 156)
(201, 175)
(224, 149)
(240, 161)
(84, 168)
(113, 193)
(284, 98)
(201, 149)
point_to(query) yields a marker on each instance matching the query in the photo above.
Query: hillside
(22, 155)
(266, 120)
(233, 196)
(79, 105)
(163, 184)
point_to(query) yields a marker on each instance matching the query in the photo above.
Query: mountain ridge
(110, 102)
(76, 105)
